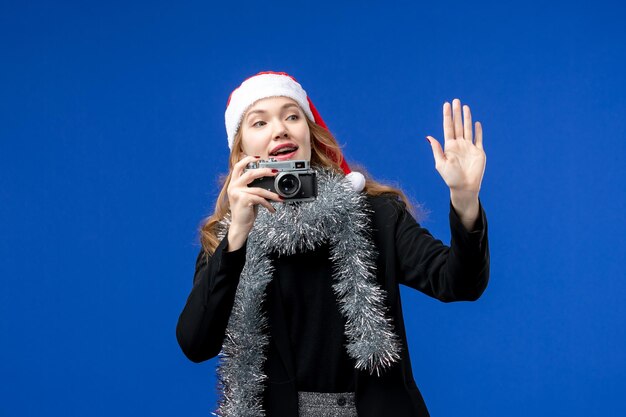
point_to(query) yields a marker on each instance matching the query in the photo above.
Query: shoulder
(385, 202)
(386, 207)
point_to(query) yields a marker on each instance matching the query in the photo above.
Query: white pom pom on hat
(279, 84)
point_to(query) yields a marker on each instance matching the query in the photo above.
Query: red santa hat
(279, 84)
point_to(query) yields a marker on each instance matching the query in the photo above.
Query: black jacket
(407, 254)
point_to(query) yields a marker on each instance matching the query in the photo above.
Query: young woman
(302, 300)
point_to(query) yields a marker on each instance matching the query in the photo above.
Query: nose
(281, 132)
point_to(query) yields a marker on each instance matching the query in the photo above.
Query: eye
(256, 124)
(295, 117)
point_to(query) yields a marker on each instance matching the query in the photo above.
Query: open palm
(461, 163)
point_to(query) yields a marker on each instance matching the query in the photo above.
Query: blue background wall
(112, 136)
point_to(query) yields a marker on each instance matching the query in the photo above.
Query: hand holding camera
(244, 200)
(255, 181)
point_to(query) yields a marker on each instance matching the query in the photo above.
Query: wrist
(466, 206)
(463, 200)
(237, 236)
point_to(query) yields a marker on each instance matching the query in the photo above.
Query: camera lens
(287, 185)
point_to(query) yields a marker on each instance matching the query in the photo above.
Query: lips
(283, 151)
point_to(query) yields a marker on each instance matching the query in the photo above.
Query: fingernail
(427, 140)
(274, 171)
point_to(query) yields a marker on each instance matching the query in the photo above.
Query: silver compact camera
(295, 181)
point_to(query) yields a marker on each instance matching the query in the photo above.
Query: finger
(253, 174)
(467, 123)
(437, 151)
(262, 192)
(458, 121)
(479, 135)
(448, 128)
(256, 200)
(241, 165)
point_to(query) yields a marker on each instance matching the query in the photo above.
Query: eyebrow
(285, 106)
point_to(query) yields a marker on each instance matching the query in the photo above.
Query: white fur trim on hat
(259, 87)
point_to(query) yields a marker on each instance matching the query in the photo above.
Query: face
(276, 128)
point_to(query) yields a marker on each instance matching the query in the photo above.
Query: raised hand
(461, 163)
(244, 200)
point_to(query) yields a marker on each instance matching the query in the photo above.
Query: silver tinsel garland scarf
(339, 217)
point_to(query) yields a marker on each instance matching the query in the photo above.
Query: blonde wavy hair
(324, 147)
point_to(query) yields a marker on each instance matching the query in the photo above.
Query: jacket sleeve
(458, 272)
(202, 323)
